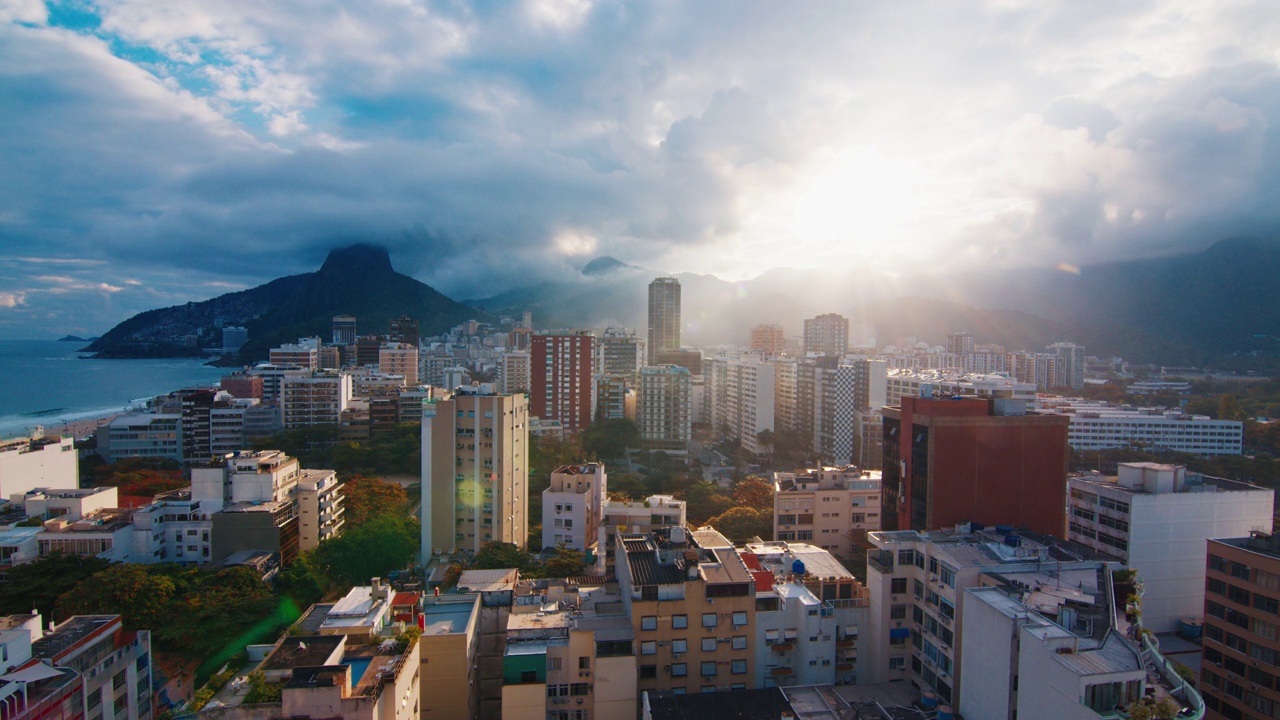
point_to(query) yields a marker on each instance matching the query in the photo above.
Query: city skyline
(156, 155)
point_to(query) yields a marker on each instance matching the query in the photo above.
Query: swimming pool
(358, 666)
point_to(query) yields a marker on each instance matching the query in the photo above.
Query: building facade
(664, 317)
(827, 334)
(1241, 642)
(664, 408)
(831, 507)
(561, 378)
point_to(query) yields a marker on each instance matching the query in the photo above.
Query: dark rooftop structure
(762, 704)
(69, 634)
(302, 651)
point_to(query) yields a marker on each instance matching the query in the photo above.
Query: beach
(80, 428)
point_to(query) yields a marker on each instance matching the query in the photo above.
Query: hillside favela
(592, 360)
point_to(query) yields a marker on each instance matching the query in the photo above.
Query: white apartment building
(573, 506)
(910, 383)
(305, 356)
(1052, 651)
(784, 393)
(173, 530)
(916, 583)
(831, 507)
(320, 508)
(809, 610)
(1156, 519)
(273, 376)
(395, 358)
(141, 435)
(742, 393)
(71, 505)
(640, 516)
(38, 462)
(1099, 426)
(315, 399)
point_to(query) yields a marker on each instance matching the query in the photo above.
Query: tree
(141, 596)
(1229, 408)
(39, 583)
(371, 550)
(366, 498)
(743, 523)
(302, 581)
(496, 555)
(703, 501)
(754, 492)
(610, 439)
(564, 562)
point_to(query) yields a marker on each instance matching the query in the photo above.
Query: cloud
(170, 149)
(12, 299)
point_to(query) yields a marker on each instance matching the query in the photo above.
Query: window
(1237, 595)
(708, 669)
(679, 670)
(708, 620)
(897, 663)
(529, 676)
(898, 612)
(739, 619)
(553, 663)
(679, 621)
(1266, 604)
(947, 575)
(1215, 586)
(649, 647)
(708, 644)
(738, 667)
(898, 586)
(679, 646)
(648, 672)
(740, 642)
(649, 622)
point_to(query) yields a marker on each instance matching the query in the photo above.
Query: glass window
(738, 667)
(649, 622)
(679, 669)
(708, 669)
(679, 646)
(648, 672)
(708, 620)
(708, 644)
(679, 621)
(739, 619)
(649, 647)
(740, 642)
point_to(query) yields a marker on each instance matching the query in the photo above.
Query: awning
(896, 633)
(39, 671)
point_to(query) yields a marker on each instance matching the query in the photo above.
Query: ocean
(46, 382)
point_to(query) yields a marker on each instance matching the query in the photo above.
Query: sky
(155, 152)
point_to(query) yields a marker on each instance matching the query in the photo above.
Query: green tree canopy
(500, 555)
(754, 491)
(743, 523)
(564, 562)
(366, 498)
(38, 584)
(610, 439)
(382, 544)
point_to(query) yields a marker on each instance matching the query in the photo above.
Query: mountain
(357, 280)
(1215, 307)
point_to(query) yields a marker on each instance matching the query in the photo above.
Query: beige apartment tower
(664, 317)
(475, 472)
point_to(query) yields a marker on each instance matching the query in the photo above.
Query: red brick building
(560, 378)
(1241, 651)
(971, 459)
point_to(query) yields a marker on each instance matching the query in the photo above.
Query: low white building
(320, 508)
(144, 435)
(1156, 519)
(1099, 426)
(172, 530)
(50, 503)
(38, 462)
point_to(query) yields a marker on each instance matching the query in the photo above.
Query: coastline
(77, 428)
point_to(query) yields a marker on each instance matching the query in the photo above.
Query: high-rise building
(688, 358)
(861, 385)
(344, 329)
(1070, 364)
(615, 400)
(305, 356)
(742, 395)
(404, 330)
(314, 399)
(827, 334)
(960, 345)
(973, 459)
(663, 408)
(513, 373)
(475, 470)
(367, 349)
(233, 338)
(399, 358)
(1155, 519)
(664, 317)
(560, 375)
(619, 352)
(1241, 647)
(768, 339)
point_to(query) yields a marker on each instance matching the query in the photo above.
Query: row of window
(681, 645)
(709, 620)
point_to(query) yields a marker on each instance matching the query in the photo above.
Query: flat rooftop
(300, 651)
(448, 618)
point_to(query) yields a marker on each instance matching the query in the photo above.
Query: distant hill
(356, 280)
(1219, 307)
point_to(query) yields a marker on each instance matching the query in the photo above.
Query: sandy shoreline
(78, 428)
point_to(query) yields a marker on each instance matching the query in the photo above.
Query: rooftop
(299, 651)
(449, 617)
(488, 580)
(71, 632)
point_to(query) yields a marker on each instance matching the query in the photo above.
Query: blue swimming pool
(358, 666)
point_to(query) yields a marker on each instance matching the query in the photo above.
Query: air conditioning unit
(676, 655)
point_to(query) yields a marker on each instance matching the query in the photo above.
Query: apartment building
(917, 580)
(616, 398)
(570, 655)
(141, 435)
(619, 352)
(561, 379)
(400, 358)
(70, 505)
(664, 317)
(514, 373)
(767, 339)
(691, 602)
(985, 460)
(314, 399)
(1241, 649)
(475, 472)
(320, 508)
(827, 334)
(303, 354)
(85, 666)
(1099, 426)
(742, 393)
(1155, 519)
(663, 408)
(573, 506)
(830, 507)
(634, 517)
(450, 648)
(272, 376)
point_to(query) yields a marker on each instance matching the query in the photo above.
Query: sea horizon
(51, 383)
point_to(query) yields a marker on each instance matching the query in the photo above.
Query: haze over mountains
(1217, 307)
